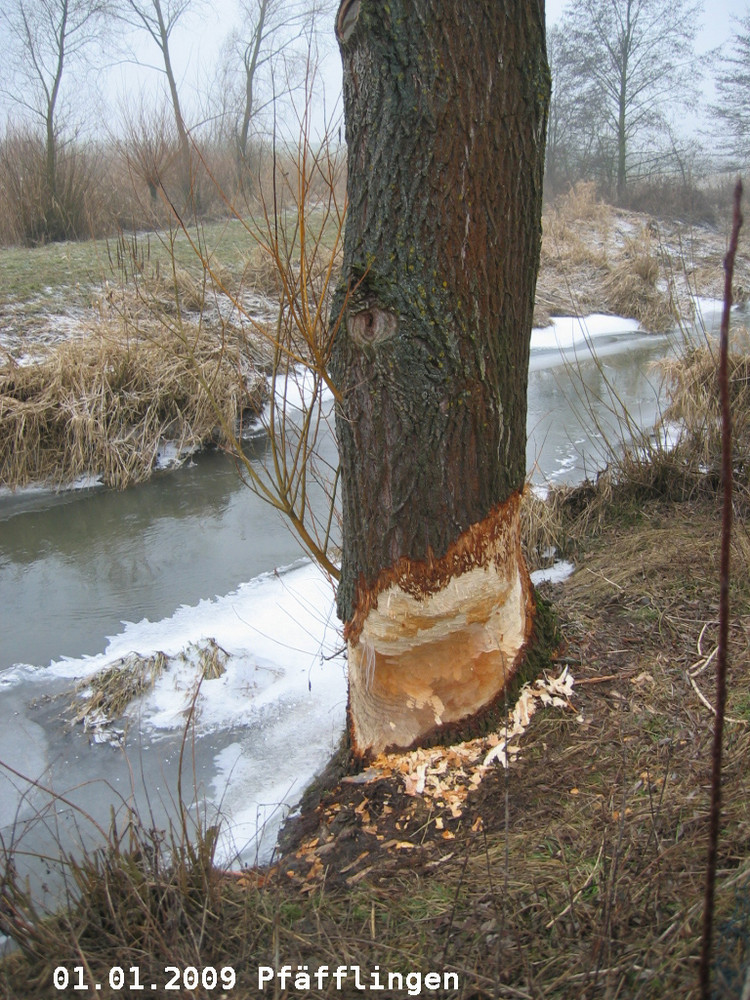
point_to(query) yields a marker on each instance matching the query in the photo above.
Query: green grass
(62, 275)
(38, 276)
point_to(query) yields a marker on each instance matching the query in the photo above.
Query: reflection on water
(73, 566)
(578, 406)
(76, 569)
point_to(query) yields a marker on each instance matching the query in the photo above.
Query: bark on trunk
(445, 107)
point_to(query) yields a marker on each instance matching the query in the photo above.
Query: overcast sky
(196, 45)
(715, 28)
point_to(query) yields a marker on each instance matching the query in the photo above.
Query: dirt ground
(579, 869)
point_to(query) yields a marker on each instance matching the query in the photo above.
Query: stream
(89, 575)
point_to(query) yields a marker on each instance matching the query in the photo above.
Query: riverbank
(116, 360)
(579, 868)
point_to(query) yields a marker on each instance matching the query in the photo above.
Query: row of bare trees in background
(68, 172)
(630, 94)
(625, 72)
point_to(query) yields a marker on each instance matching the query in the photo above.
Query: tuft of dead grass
(105, 405)
(581, 204)
(161, 887)
(103, 698)
(632, 287)
(109, 691)
(693, 390)
(574, 253)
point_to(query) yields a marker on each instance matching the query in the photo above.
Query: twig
(704, 971)
(697, 669)
(580, 892)
(606, 579)
(746, 987)
(710, 707)
(604, 678)
(700, 665)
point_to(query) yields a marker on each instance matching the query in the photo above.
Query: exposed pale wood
(445, 107)
(422, 661)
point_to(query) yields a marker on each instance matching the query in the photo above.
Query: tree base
(436, 642)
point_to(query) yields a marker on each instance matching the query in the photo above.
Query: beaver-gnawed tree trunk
(445, 105)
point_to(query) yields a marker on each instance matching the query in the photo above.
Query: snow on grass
(557, 573)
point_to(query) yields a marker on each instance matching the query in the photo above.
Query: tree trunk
(622, 135)
(445, 106)
(188, 181)
(55, 227)
(250, 63)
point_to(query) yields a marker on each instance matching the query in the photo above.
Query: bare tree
(46, 38)
(733, 89)
(576, 148)
(639, 56)
(265, 58)
(159, 18)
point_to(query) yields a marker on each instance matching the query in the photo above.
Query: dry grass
(581, 204)
(260, 273)
(595, 258)
(693, 390)
(103, 698)
(548, 526)
(577, 872)
(576, 233)
(109, 691)
(106, 404)
(632, 287)
(158, 886)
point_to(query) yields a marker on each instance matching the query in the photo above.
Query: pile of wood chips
(403, 801)
(450, 773)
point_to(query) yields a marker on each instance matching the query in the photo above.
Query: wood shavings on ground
(448, 774)
(387, 809)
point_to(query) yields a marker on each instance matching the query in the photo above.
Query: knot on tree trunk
(372, 326)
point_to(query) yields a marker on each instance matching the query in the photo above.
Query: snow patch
(556, 573)
(567, 332)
